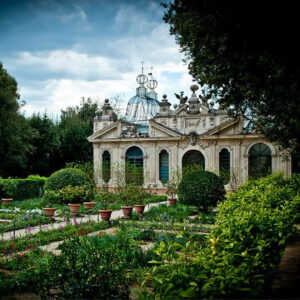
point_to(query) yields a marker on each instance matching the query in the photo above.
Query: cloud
(78, 14)
(102, 66)
(70, 63)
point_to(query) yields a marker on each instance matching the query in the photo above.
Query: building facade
(161, 141)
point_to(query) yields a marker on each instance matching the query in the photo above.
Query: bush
(76, 194)
(202, 189)
(86, 167)
(244, 249)
(65, 177)
(93, 268)
(20, 189)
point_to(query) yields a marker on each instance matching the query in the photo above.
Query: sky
(62, 50)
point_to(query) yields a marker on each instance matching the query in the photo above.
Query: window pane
(134, 166)
(164, 165)
(224, 165)
(106, 166)
(260, 161)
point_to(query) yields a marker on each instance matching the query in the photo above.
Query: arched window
(260, 161)
(224, 165)
(134, 166)
(106, 166)
(193, 158)
(164, 165)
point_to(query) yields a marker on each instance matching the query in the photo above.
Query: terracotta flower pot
(89, 205)
(172, 201)
(127, 211)
(105, 214)
(6, 201)
(139, 208)
(49, 211)
(74, 208)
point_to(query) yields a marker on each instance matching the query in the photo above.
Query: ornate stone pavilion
(161, 140)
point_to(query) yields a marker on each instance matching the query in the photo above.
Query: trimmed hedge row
(243, 251)
(20, 189)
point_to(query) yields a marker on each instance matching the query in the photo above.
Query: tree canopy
(247, 53)
(37, 144)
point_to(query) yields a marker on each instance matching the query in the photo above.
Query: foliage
(246, 72)
(175, 213)
(39, 178)
(243, 250)
(45, 145)
(24, 221)
(20, 189)
(93, 267)
(202, 189)
(134, 174)
(48, 234)
(14, 130)
(86, 167)
(65, 177)
(76, 194)
(128, 195)
(172, 188)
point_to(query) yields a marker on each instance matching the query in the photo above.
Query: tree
(15, 132)
(246, 52)
(41, 160)
(75, 126)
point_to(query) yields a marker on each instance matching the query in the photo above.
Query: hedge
(20, 189)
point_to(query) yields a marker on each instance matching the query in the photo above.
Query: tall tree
(46, 143)
(15, 132)
(247, 53)
(75, 126)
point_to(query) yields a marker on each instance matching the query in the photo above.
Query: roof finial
(142, 66)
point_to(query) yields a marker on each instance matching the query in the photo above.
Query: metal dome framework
(144, 105)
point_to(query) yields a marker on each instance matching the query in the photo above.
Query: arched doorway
(260, 161)
(134, 166)
(193, 158)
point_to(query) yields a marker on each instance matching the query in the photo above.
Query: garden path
(116, 214)
(287, 282)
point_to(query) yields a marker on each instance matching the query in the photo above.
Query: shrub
(76, 194)
(243, 251)
(20, 189)
(93, 268)
(50, 198)
(202, 189)
(65, 177)
(86, 167)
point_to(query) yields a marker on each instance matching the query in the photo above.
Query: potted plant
(139, 194)
(47, 202)
(89, 194)
(172, 190)
(6, 201)
(89, 205)
(74, 195)
(127, 197)
(104, 212)
(49, 211)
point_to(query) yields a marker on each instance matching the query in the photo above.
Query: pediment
(108, 132)
(160, 130)
(232, 126)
